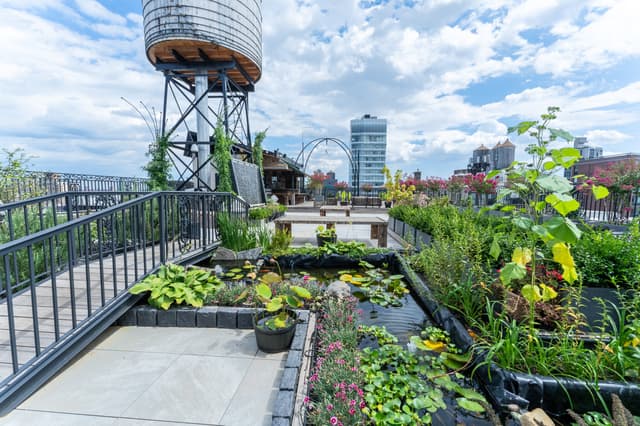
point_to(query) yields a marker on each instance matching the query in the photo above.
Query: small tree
(12, 170)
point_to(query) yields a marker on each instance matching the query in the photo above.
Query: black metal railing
(617, 207)
(34, 184)
(22, 218)
(56, 281)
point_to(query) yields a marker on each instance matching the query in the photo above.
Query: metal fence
(62, 284)
(35, 184)
(617, 208)
(22, 218)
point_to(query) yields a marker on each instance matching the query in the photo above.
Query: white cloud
(606, 138)
(93, 9)
(434, 70)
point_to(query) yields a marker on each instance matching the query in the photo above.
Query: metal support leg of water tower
(204, 130)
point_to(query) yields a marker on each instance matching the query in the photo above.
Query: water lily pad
(470, 405)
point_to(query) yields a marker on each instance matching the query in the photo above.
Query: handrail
(21, 218)
(43, 198)
(71, 280)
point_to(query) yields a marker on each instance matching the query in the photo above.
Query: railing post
(67, 200)
(162, 210)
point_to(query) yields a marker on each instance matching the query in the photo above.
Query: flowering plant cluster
(617, 177)
(396, 190)
(316, 180)
(480, 184)
(456, 184)
(341, 185)
(336, 383)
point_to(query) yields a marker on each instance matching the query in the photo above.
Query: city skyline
(448, 77)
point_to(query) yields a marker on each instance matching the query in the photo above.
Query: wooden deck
(87, 297)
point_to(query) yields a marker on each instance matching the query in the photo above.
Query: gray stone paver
(159, 376)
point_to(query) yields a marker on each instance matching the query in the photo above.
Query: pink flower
(352, 411)
(334, 420)
(330, 407)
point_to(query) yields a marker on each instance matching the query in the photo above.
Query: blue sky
(448, 75)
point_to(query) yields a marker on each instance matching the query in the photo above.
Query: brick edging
(231, 317)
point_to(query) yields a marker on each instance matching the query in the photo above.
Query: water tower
(210, 52)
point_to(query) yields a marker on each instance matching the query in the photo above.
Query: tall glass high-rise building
(368, 150)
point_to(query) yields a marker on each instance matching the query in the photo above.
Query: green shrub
(607, 260)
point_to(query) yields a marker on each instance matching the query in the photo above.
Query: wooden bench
(378, 225)
(325, 209)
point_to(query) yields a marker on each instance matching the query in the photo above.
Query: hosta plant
(173, 284)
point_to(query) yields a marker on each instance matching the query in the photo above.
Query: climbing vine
(222, 159)
(159, 165)
(257, 149)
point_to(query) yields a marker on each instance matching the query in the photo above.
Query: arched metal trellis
(354, 163)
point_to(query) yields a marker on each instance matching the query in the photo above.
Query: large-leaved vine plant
(548, 202)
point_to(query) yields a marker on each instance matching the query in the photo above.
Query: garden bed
(528, 391)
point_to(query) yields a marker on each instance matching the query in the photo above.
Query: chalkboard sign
(247, 181)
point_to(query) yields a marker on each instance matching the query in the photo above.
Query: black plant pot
(271, 341)
(387, 204)
(324, 240)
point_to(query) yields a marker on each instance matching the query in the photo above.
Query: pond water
(402, 321)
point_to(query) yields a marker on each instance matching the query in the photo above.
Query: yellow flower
(521, 256)
(633, 342)
(434, 346)
(562, 255)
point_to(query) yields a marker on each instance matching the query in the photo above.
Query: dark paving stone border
(232, 317)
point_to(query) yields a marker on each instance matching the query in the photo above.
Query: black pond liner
(528, 391)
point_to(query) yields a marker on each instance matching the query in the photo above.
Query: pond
(385, 299)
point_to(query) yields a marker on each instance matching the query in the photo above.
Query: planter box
(528, 391)
(409, 234)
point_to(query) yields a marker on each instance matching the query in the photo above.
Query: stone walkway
(160, 376)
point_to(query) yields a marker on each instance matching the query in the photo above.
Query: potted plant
(326, 235)
(275, 325)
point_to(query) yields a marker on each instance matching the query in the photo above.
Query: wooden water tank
(192, 31)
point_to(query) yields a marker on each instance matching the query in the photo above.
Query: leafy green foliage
(159, 164)
(351, 249)
(607, 260)
(376, 285)
(406, 388)
(237, 233)
(292, 297)
(268, 211)
(222, 159)
(12, 170)
(173, 284)
(257, 149)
